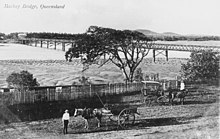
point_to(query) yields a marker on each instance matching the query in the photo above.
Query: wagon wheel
(149, 99)
(162, 100)
(126, 117)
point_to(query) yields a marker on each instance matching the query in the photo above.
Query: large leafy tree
(125, 49)
(202, 66)
(22, 81)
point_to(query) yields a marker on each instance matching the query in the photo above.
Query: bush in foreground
(22, 81)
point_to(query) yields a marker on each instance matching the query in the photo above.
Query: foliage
(47, 35)
(84, 80)
(13, 36)
(152, 76)
(22, 80)
(125, 49)
(139, 76)
(202, 67)
(2, 36)
(183, 38)
(66, 36)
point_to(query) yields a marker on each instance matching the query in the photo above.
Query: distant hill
(147, 32)
(170, 34)
(152, 33)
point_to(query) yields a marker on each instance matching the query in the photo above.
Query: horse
(88, 113)
(176, 93)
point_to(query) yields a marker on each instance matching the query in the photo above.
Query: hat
(66, 110)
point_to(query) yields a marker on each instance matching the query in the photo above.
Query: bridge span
(158, 48)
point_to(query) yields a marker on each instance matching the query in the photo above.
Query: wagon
(151, 92)
(123, 115)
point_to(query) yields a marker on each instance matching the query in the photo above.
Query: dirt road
(180, 121)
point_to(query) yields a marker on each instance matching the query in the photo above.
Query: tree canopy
(67, 36)
(22, 80)
(202, 66)
(126, 49)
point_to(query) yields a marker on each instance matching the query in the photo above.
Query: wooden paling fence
(71, 92)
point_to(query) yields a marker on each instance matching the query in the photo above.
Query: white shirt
(182, 86)
(66, 116)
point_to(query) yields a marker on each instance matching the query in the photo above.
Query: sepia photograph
(109, 69)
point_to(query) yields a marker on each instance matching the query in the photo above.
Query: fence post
(48, 44)
(90, 90)
(109, 88)
(121, 88)
(63, 46)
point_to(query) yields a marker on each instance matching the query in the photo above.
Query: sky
(200, 17)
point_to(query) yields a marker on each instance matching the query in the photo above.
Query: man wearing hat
(65, 120)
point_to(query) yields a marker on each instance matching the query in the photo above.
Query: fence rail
(56, 93)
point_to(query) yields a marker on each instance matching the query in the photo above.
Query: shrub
(202, 67)
(22, 81)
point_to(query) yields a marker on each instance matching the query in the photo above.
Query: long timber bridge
(158, 48)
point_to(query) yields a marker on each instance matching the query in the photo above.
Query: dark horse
(88, 113)
(176, 93)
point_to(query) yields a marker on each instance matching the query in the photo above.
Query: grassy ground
(50, 68)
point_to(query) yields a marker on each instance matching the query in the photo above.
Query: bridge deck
(155, 46)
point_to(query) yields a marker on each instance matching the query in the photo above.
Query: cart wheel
(162, 100)
(149, 99)
(126, 117)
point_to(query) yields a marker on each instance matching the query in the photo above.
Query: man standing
(65, 120)
(182, 86)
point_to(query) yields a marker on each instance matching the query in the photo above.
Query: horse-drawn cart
(152, 92)
(123, 115)
(126, 114)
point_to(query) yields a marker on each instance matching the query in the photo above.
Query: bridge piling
(35, 43)
(55, 47)
(48, 44)
(63, 46)
(154, 56)
(55, 44)
(41, 44)
(166, 54)
(158, 53)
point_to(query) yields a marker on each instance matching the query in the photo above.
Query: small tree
(202, 67)
(22, 81)
(84, 80)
